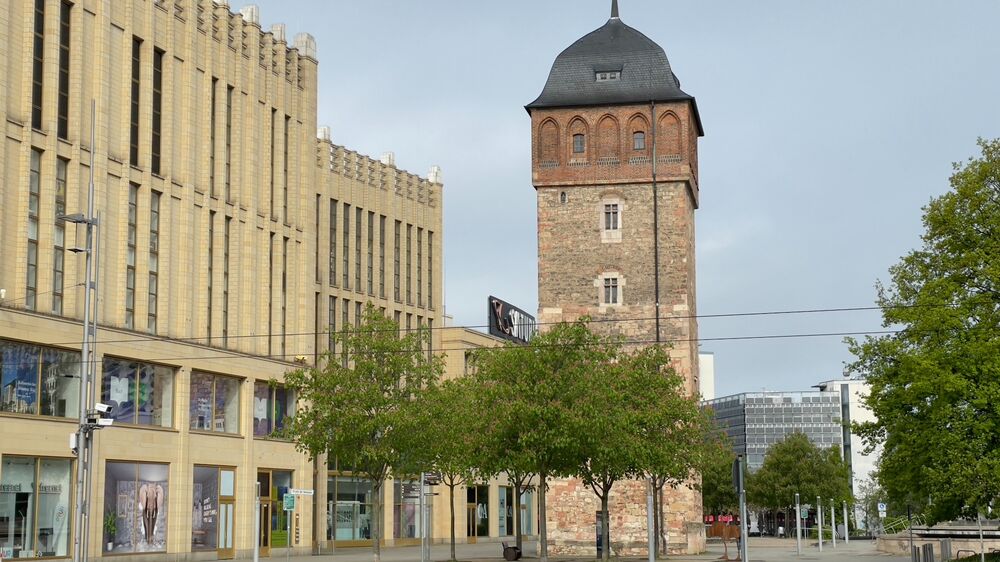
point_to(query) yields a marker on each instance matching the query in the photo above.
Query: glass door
(227, 525)
(264, 522)
(470, 523)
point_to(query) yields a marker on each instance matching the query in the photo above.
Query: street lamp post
(847, 530)
(819, 522)
(833, 523)
(798, 526)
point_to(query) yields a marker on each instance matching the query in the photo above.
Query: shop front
(214, 511)
(35, 507)
(274, 520)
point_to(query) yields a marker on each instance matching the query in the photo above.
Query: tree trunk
(377, 523)
(605, 526)
(543, 535)
(517, 513)
(656, 518)
(662, 528)
(451, 494)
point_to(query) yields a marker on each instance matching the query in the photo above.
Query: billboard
(509, 322)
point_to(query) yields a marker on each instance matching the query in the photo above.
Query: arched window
(639, 140)
(562, 197)
(579, 143)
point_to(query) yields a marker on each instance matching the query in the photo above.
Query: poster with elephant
(135, 507)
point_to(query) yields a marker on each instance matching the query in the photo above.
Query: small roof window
(608, 76)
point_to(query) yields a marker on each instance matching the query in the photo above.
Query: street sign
(289, 501)
(882, 506)
(300, 492)
(881, 515)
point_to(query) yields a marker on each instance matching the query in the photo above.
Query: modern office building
(755, 421)
(232, 242)
(615, 170)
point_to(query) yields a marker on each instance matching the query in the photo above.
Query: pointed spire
(614, 9)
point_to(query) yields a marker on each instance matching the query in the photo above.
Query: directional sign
(300, 492)
(289, 501)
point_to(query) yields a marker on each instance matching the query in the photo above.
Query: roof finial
(614, 9)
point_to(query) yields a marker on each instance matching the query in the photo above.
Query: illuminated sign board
(510, 322)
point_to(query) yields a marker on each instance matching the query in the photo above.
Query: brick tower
(615, 168)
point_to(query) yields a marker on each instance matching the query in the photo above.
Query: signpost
(881, 510)
(289, 503)
(819, 522)
(738, 483)
(798, 526)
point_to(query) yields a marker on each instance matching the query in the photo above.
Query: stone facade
(576, 253)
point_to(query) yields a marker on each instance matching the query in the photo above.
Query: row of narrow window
(580, 142)
(344, 261)
(345, 307)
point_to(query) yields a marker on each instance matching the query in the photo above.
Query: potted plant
(110, 529)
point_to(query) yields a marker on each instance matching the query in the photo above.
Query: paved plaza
(764, 550)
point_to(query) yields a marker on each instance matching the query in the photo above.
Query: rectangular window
(62, 111)
(344, 323)
(381, 256)
(371, 253)
(319, 205)
(139, 393)
(639, 140)
(59, 233)
(270, 291)
(39, 381)
(210, 251)
(284, 182)
(133, 211)
(409, 263)
(352, 501)
(357, 314)
(211, 136)
(284, 295)
(215, 403)
(226, 237)
(611, 216)
(274, 154)
(36, 507)
(333, 242)
(420, 267)
(271, 404)
(406, 509)
(213, 507)
(331, 319)
(154, 259)
(157, 136)
(37, 64)
(133, 144)
(34, 194)
(136, 500)
(358, 214)
(430, 269)
(227, 177)
(395, 263)
(610, 290)
(579, 143)
(347, 247)
(430, 338)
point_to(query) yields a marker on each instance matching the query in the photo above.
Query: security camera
(105, 422)
(102, 408)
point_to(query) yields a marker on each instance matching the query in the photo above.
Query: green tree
(532, 392)
(718, 494)
(935, 382)
(446, 437)
(358, 413)
(796, 465)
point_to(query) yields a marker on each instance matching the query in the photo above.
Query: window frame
(579, 143)
(639, 140)
(239, 407)
(134, 398)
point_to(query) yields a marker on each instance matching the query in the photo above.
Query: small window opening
(579, 143)
(562, 197)
(639, 140)
(608, 76)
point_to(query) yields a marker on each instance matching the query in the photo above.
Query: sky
(828, 126)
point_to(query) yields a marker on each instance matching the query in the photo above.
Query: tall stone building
(615, 168)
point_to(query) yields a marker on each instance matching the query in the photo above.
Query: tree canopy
(796, 465)
(935, 383)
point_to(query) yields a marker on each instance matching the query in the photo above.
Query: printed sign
(289, 501)
(509, 322)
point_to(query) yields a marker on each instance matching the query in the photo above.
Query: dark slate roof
(645, 72)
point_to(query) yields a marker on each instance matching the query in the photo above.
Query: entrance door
(470, 525)
(264, 523)
(226, 548)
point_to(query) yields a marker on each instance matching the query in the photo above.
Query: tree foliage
(718, 494)
(796, 465)
(935, 384)
(358, 412)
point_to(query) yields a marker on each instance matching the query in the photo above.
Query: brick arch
(548, 141)
(577, 126)
(668, 135)
(609, 138)
(638, 123)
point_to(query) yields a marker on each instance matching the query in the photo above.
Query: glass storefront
(526, 518)
(349, 504)
(139, 393)
(215, 403)
(135, 507)
(271, 404)
(39, 380)
(505, 511)
(406, 509)
(213, 510)
(478, 502)
(35, 519)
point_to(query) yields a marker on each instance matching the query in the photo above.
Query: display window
(135, 507)
(526, 501)
(478, 511)
(271, 405)
(138, 393)
(39, 380)
(215, 403)
(350, 503)
(213, 510)
(406, 509)
(505, 511)
(35, 507)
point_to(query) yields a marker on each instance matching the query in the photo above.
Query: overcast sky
(828, 125)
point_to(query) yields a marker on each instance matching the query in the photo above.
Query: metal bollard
(914, 554)
(946, 550)
(928, 552)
